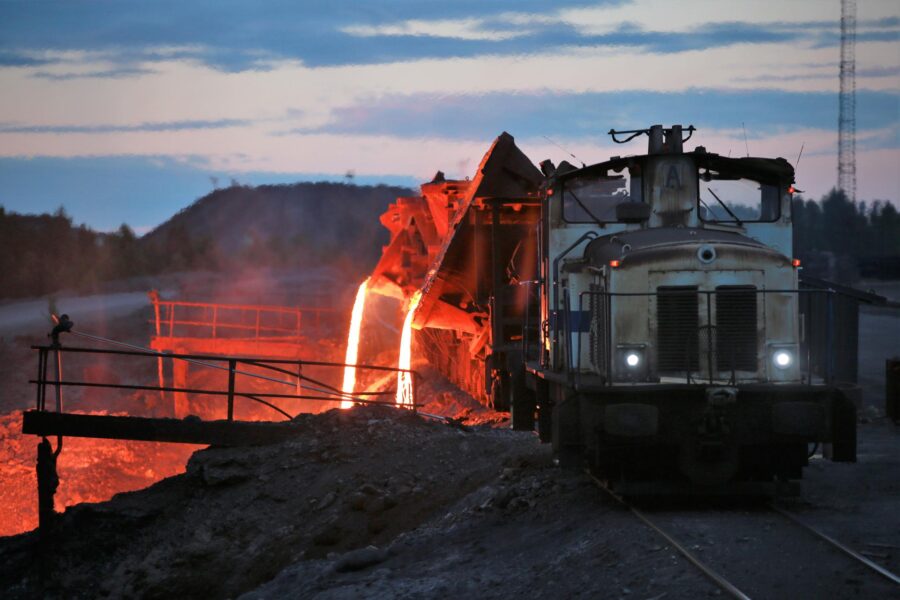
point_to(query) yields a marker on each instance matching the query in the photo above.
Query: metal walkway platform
(183, 431)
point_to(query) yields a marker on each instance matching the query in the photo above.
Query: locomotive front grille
(677, 329)
(736, 328)
(599, 329)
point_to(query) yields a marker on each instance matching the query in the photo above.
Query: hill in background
(279, 225)
(296, 225)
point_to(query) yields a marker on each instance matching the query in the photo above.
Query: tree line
(42, 254)
(282, 226)
(838, 238)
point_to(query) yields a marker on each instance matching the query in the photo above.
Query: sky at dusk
(127, 111)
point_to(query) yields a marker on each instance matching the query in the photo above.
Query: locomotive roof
(776, 171)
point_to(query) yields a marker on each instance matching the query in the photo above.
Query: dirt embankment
(376, 502)
(370, 502)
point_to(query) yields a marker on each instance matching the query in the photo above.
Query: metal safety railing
(234, 366)
(173, 318)
(719, 339)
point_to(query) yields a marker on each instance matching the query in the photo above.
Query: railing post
(215, 318)
(808, 340)
(709, 347)
(570, 349)
(44, 379)
(299, 389)
(232, 363)
(42, 357)
(257, 323)
(607, 335)
(154, 296)
(525, 324)
(829, 356)
(578, 346)
(171, 319)
(58, 380)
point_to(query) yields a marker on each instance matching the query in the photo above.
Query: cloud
(460, 29)
(592, 114)
(115, 73)
(12, 58)
(237, 36)
(110, 128)
(291, 95)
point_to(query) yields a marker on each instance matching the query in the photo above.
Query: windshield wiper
(725, 206)
(586, 209)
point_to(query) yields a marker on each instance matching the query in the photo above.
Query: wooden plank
(181, 431)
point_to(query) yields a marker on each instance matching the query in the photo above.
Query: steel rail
(836, 544)
(712, 575)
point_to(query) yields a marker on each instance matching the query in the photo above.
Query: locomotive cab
(672, 344)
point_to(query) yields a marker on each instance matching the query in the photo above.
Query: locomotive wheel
(521, 403)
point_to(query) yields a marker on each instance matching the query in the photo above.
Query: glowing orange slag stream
(404, 380)
(351, 355)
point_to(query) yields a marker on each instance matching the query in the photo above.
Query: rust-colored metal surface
(467, 245)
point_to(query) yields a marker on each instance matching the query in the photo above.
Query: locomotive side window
(737, 200)
(593, 199)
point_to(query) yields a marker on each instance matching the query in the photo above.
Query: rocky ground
(375, 502)
(371, 502)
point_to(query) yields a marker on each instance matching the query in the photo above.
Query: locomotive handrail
(554, 316)
(826, 362)
(638, 132)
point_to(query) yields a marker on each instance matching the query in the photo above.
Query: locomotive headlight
(782, 359)
(631, 362)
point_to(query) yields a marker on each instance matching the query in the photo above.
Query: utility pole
(847, 102)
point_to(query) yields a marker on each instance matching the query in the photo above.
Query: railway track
(748, 555)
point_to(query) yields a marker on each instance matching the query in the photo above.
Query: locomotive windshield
(593, 198)
(726, 200)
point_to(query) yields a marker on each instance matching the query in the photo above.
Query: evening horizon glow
(122, 116)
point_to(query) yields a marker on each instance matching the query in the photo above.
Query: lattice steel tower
(847, 106)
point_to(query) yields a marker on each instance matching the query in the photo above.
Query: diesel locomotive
(644, 312)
